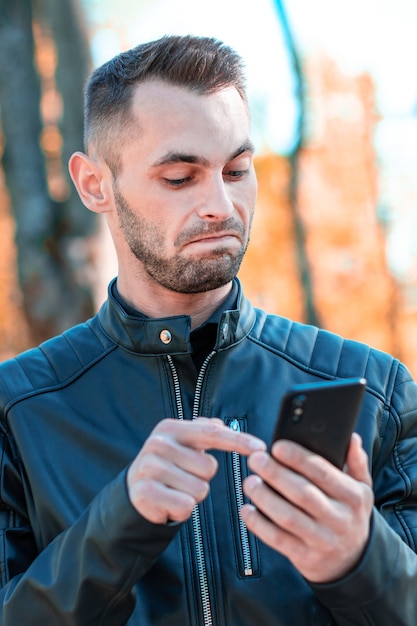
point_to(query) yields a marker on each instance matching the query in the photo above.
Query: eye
(236, 174)
(238, 168)
(177, 182)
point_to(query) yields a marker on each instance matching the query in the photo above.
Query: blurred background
(333, 94)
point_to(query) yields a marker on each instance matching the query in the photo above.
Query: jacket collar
(170, 335)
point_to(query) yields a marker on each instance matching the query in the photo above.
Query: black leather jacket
(76, 411)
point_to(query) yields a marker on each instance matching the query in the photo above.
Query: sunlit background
(333, 95)
(377, 37)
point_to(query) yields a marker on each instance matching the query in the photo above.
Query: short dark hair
(201, 64)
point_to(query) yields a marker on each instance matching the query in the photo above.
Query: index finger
(210, 433)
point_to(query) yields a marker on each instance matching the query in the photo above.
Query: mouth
(214, 237)
(219, 235)
(214, 242)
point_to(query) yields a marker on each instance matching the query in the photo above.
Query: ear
(92, 181)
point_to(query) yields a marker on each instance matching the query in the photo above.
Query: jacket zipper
(237, 479)
(195, 517)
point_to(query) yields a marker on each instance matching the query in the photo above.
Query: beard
(181, 274)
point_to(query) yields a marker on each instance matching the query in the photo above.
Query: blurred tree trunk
(51, 252)
(311, 315)
(65, 20)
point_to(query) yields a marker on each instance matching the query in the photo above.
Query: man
(132, 444)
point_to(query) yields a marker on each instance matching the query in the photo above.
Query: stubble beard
(180, 273)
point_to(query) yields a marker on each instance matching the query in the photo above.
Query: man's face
(186, 191)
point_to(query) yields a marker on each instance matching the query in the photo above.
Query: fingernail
(251, 483)
(283, 448)
(260, 460)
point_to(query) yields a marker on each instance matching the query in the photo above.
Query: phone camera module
(298, 408)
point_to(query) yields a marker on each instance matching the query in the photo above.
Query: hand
(309, 510)
(172, 471)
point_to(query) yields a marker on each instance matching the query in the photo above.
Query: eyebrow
(181, 157)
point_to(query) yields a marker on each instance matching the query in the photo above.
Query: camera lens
(298, 408)
(299, 401)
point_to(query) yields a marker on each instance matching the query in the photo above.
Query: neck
(157, 301)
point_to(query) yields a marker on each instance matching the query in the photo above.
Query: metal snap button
(165, 336)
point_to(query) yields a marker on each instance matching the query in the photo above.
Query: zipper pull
(234, 425)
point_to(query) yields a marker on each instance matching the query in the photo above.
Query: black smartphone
(321, 416)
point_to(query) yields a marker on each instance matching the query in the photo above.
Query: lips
(214, 237)
(214, 242)
(230, 228)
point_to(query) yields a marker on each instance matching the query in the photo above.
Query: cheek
(250, 191)
(254, 185)
(248, 202)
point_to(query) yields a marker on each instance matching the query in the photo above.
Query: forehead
(168, 118)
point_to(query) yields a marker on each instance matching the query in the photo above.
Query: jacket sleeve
(382, 589)
(86, 575)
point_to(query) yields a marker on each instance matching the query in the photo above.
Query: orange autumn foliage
(354, 292)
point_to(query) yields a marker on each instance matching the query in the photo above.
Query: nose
(216, 202)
